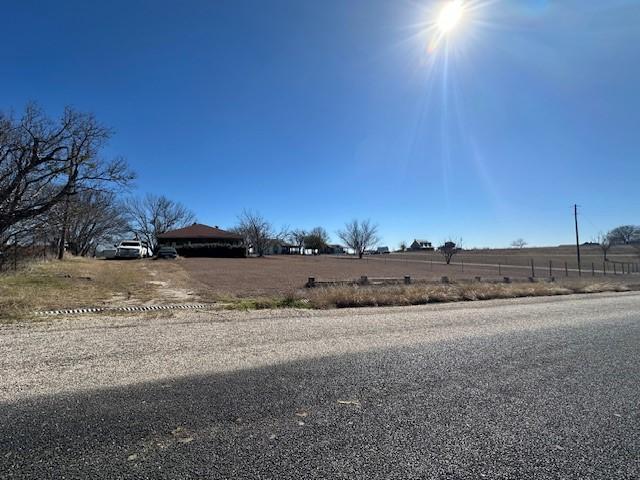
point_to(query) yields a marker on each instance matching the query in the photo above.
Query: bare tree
(403, 246)
(297, 237)
(44, 162)
(624, 234)
(283, 234)
(256, 230)
(152, 215)
(448, 249)
(317, 239)
(604, 242)
(359, 235)
(519, 243)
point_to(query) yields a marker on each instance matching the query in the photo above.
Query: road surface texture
(527, 389)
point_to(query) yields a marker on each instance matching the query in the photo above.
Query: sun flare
(450, 16)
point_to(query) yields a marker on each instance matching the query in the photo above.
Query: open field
(279, 280)
(490, 259)
(283, 274)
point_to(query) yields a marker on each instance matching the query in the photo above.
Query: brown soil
(282, 274)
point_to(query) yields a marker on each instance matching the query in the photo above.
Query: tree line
(622, 235)
(358, 235)
(58, 190)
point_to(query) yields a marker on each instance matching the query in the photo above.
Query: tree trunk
(63, 230)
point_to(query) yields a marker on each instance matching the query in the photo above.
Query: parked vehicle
(167, 252)
(107, 253)
(131, 249)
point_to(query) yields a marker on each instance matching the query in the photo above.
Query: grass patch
(418, 294)
(71, 283)
(263, 303)
(358, 296)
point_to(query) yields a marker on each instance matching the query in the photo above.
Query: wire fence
(17, 251)
(517, 266)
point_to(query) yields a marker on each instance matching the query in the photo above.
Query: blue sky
(314, 113)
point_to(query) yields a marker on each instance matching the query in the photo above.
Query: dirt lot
(281, 274)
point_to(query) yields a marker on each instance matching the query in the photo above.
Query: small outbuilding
(200, 240)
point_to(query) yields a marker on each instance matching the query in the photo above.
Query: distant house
(200, 240)
(421, 245)
(383, 250)
(334, 249)
(279, 247)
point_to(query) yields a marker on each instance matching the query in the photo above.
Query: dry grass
(357, 296)
(72, 283)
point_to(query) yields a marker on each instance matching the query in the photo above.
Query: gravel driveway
(533, 388)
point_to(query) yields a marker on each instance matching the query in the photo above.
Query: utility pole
(575, 216)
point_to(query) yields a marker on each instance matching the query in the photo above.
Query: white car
(131, 249)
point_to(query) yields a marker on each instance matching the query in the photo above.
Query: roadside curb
(147, 308)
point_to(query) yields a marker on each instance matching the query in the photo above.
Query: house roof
(422, 241)
(200, 231)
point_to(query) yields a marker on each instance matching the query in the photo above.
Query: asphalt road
(535, 388)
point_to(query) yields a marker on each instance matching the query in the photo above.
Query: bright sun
(450, 16)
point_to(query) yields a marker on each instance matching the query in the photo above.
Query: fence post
(551, 268)
(407, 279)
(615, 270)
(593, 270)
(604, 268)
(566, 269)
(499, 269)
(533, 270)
(311, 282)
(462, 263)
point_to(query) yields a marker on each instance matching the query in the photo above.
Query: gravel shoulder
(540, 387)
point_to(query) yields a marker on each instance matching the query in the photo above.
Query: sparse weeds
(263, 303)
(72, 283)
(357, 296)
